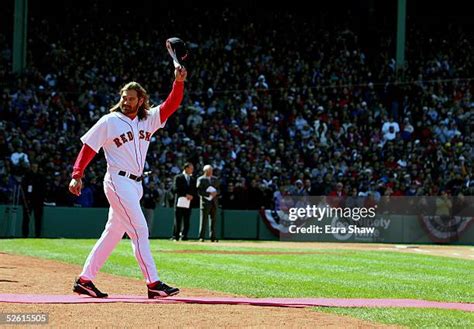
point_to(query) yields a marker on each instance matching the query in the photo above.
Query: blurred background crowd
(278, 102)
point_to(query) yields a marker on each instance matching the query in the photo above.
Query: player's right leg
(109, 239)
(85, 287)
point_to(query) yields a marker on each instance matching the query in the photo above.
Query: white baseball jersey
(125, 141)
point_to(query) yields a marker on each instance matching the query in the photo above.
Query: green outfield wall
(62, 222)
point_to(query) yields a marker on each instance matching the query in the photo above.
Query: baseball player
(125, 135)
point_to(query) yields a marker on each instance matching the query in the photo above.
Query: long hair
(141, 94)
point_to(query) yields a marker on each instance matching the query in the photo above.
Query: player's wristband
(83, 158)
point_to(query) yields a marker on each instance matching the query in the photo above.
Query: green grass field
(330, 273)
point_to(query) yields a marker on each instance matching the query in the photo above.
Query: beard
(128, 109)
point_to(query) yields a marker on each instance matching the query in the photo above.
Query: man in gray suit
(208, 189)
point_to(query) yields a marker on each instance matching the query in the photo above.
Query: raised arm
(172, 102)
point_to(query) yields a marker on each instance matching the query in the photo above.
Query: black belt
(131, 176)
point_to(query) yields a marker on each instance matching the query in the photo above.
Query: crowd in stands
(276, 108)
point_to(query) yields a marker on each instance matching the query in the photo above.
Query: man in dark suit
(208, 189)
(33, 190)
(184, 186)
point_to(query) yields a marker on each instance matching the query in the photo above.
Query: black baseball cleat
(160, 290)
(87, 288)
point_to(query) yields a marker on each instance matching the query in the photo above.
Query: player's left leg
(137, 230)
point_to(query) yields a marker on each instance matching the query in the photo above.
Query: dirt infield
(28, 275)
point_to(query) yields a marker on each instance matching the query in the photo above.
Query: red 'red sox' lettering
(145, 135)
(117, 142)
(124, 138)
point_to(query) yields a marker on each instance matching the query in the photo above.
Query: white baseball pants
(125, 215)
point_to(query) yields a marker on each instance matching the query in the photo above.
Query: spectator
(338, 191)
(86, 199)
(19, 158)
(256, 196)
(168, 195)
(184, 187)
(322, 114)
(229, 198)
(208, 190)
(151, 198)
(33, 190)
(443, 205)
